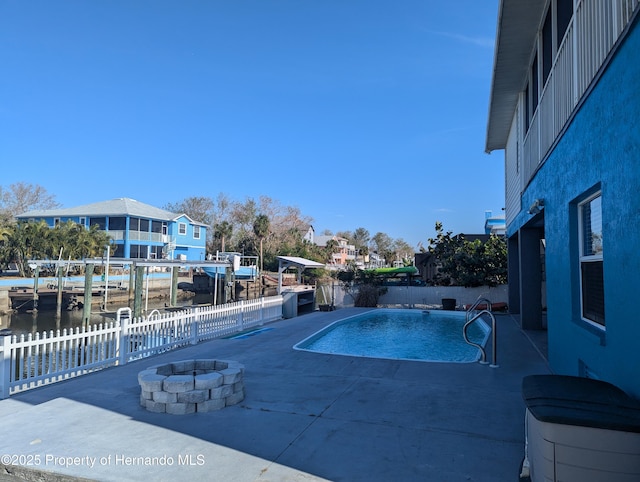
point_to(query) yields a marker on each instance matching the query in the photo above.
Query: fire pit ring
(190, 386)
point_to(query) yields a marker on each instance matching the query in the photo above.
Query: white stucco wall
(427, 295)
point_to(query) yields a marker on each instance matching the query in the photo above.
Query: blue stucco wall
(600, 150)
(194, 249)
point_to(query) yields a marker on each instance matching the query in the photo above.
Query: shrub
(468, 263)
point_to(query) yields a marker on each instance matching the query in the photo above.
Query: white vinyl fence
(33, 360)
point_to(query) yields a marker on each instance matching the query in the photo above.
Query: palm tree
(261, 230)
(330, 248)
(29, 240)
(5, 250)
(361, 239)
(222, 232)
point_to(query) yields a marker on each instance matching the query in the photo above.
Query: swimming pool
(425, 335)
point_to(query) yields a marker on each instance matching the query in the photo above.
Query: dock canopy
(286, 262)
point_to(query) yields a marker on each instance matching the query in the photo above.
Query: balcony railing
(594, 30)
(141, 236)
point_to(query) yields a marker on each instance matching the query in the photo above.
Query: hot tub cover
(580, 401)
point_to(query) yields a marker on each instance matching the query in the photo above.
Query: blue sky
(362, 113)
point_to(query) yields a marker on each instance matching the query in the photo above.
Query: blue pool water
(401, 334)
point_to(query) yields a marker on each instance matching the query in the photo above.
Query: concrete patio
(305, 416)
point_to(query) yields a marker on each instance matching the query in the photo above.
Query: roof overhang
(518, 25)
(285, 262)
(295, 261)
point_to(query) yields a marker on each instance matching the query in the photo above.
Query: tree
(383, 245)
(221, 233)
(261, 230)
(348, 235)
(29, 241)
(36, 240)
(360, 240)
(198, 208)
(330, 248)
(468, 263)
(21, 197)
(403, 252)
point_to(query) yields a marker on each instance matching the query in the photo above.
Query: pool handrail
(486, 311)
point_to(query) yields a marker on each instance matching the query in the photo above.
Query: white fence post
(123, 340)
(5, 366)
(195, 321)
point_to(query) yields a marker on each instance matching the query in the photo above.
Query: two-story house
(343, 252)
(565, 109)
(137, 230)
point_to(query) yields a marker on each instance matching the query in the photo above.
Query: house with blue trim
(565, 109)
(494, 224)
(137, 230)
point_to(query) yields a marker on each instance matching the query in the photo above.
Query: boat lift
(137, 267)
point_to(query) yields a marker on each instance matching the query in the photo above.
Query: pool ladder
(486, 311)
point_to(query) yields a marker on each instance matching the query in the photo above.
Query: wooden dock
(23, 299)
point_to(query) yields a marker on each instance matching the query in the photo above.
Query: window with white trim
(591, 256)
(196, 232)
(182, 228)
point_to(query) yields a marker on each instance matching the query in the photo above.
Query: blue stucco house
(138, 230)
(565, 109)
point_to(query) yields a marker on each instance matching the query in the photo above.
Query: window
(138, 251)
(591, 255)
(534, 87)
(564, 12)
(100, 222)
(547, 47)
(117, 223)
(157, 252)
(56, 222)
(134, 224)
(82, 222)
(182, 228)
(526, 110)
(196, 232)
(531, 95)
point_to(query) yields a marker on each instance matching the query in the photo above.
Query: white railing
(592, 33)
(33, 360)
(140, 236)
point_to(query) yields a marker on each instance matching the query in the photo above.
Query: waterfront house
(137, 230)
(565, 110)
(343, 253)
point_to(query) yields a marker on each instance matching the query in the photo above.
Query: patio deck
(306, 416)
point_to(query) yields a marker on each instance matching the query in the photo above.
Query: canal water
(46, 320)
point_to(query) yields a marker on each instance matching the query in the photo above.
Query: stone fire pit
(190, 386)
